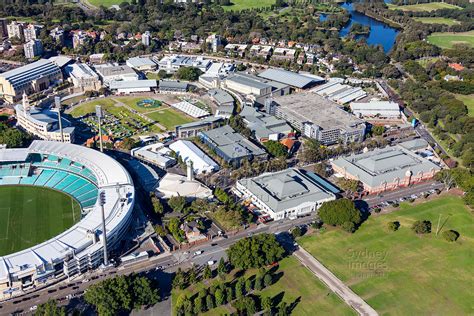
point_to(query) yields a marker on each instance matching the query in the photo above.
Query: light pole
(104, 234)
(57, 102)
(99, 113)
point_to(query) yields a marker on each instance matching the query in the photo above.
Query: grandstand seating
(58, 173)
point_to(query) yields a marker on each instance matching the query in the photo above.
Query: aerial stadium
(50, 212)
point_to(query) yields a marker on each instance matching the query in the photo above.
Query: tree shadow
(293, 305)
(276, 300)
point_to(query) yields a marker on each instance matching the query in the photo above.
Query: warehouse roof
(137, 62)
(133, 84)
(290, 78)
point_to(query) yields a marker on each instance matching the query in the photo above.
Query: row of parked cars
(410, 198)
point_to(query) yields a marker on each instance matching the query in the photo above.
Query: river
(380, 33)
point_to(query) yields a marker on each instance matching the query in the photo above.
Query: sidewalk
(333, 283)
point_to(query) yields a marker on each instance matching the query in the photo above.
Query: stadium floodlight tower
(104, 234)
(57, 102)
(100, 114)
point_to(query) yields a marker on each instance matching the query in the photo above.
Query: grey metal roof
(247, 82)
(290, 78)
(415, 144)
(263, 124)
(287, 189)
(386, 165)
(233, 144)
(140, 62)
(206, 121)
(171, 84)
(35, 70)
(130, 84)
(221, 96)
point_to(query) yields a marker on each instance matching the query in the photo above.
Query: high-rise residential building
(146, 38)
(33, 48)
(15, 29)
(31, 32)
(57, 34)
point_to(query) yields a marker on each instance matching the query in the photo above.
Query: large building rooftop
(291, 78)
(374, 168)
(288, 189)
(310, 107)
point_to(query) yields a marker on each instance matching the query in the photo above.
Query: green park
(401, 272)
(424, 7)
(449, 39)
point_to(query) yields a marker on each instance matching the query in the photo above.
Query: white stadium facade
(81, 173)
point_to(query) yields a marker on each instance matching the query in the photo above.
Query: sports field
(30, 215)
(437, 20)
(105, 3)
(448, 39)
(400, 273)
(169, 117)
(431, 6)
(238, 5)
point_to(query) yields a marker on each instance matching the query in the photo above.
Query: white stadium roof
(190, 109)
(112, 178)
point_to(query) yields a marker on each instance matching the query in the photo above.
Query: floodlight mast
(104, 234)
(100, 114)
(57, 102)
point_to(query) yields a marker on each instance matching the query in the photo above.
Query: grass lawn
(432, 6)
(468, 101)
(400, 273)
(89, 107)
(105, 3)
(295, 283)
(30, 215)
(169, 118)
(132, 102)
(448, 39)
(445, 21)
(238, 5)
(429, 60)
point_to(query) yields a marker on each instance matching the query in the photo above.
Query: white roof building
(116, 73)
(154, 154)
(141, 63)
(202, 163)
(190, 109)
(83, 77)
(177, 185)
(373, 108)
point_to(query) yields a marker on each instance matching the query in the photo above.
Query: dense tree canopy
(338, 212)
(255, 252)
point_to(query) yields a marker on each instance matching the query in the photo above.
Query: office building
(57, 35)
(3, 28)
(288, 193)
(31, 78)
(109, 73)
(318, 118)
(15, 29)
(31, 32)
(264, 126)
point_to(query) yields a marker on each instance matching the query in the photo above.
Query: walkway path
(333, 283)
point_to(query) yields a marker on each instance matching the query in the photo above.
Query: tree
(275, 148)
(338, 212)
(198, 305)
(239, 287)
(349, 185)
(209, 302)
(248, 285)
(177, 203)
(267, 280)
(245, 305)
(128, 143)
(192, 275)
(179, 280)
(450, 235)
(393, 226)
(282, 309)
(267, 304)
(220, 297)
(13, 137)
(348, 227)
(157, 206)
(255, 252)
(50, 308)
(296, 232)
(378, 130)
(222, 268)
(188, 73)
(421, 227)
(229, 293)
(207, 273)
(258, 286)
